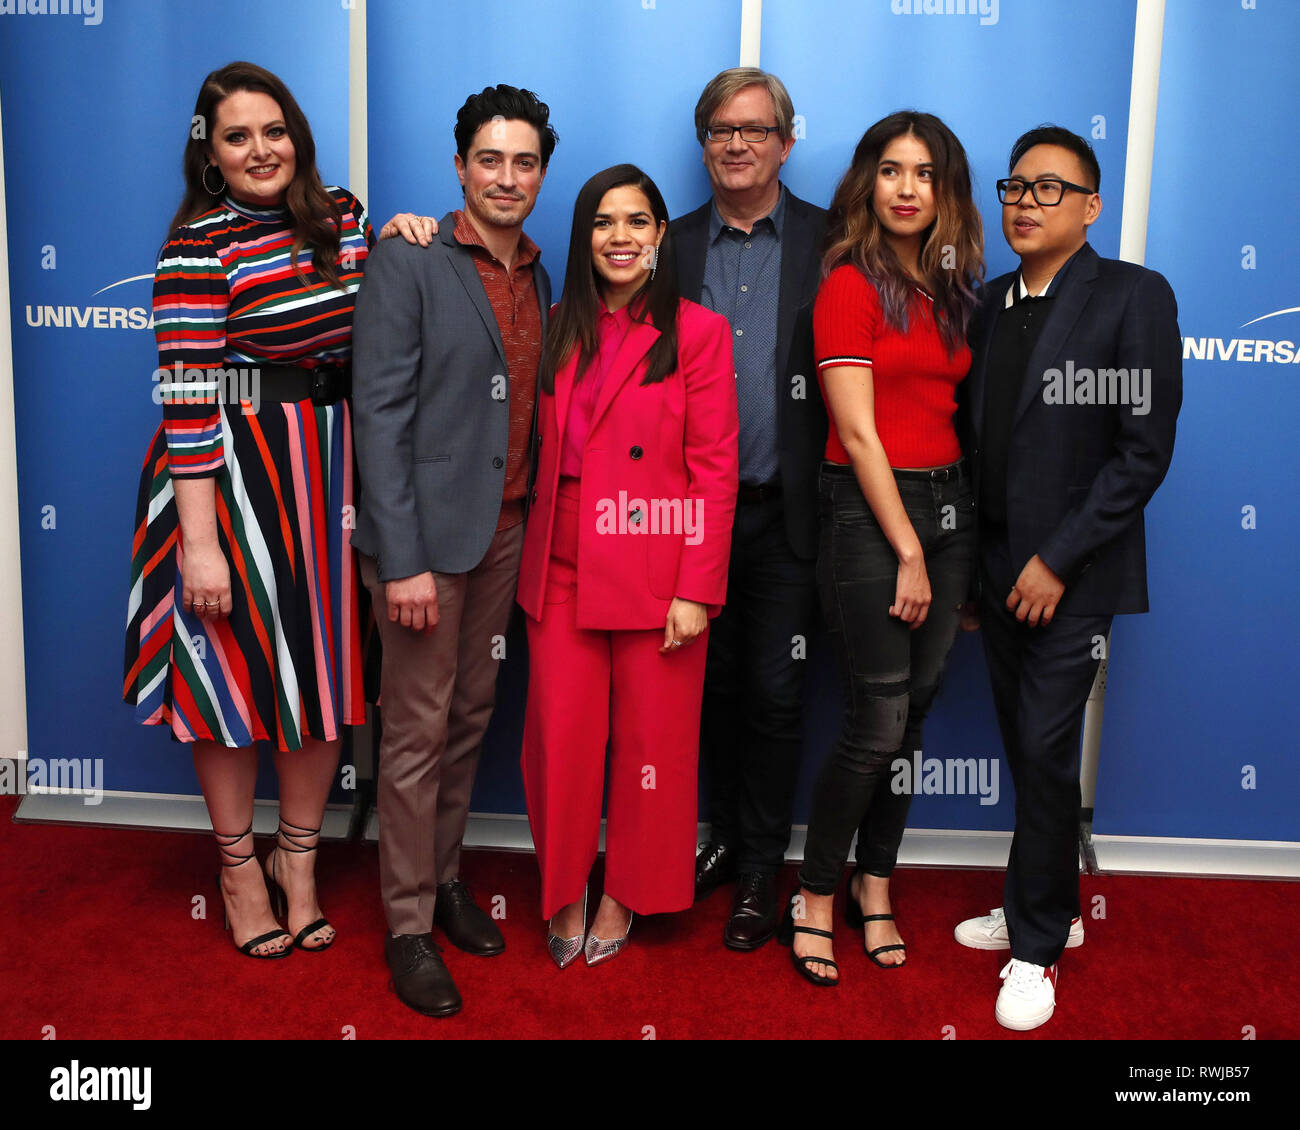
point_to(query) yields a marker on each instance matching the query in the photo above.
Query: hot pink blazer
(659, 478)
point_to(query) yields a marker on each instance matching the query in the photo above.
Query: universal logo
(93, 317)
(1283, 352)
(91, 11)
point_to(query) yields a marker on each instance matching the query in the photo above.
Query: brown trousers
(437, 691)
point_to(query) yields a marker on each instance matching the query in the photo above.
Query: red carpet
(100, 942)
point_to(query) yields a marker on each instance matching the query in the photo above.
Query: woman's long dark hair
(574, 323)
(316, 217)
(952, 248)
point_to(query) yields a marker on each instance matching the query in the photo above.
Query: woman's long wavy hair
(316, 217)
(575, 321)
(952, 248)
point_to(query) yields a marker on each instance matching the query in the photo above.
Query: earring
(654, 263)
(204, 179)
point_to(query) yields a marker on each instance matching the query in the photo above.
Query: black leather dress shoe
(715, 865)
(467, 927)
(420, 979)
(755, 913)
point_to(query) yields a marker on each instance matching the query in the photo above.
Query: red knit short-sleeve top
(914, 378)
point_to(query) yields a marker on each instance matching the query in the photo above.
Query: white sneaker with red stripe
(990, 932)
(1028, 995)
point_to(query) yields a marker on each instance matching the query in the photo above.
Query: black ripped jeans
(890, 673)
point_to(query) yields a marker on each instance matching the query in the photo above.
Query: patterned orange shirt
(513, 298)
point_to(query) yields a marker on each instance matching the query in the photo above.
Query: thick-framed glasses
(1048, 191)
(752, 134)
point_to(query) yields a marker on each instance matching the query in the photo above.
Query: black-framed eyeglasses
(1048, 191)
(751, 134)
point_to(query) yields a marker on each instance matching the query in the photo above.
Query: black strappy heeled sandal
(286, 839)
(226, 841)
(854, 917)
(785, 936)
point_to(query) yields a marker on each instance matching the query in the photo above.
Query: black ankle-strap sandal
(287, 839)
(226, 841)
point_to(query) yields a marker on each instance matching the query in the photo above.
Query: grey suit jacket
(431, 406)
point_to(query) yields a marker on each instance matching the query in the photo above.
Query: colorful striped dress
(286, 664)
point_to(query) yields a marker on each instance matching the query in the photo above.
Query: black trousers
(890, 672)
(751, 731)
(1041, 680)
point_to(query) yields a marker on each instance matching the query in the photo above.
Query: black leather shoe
(754, 915)
(715, 865)
(467, 927)
(420, 979)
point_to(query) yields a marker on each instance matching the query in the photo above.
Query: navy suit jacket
(801, 415)
(1079, 475)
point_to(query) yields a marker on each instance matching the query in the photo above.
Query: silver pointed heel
(602, 949)
(564, 951)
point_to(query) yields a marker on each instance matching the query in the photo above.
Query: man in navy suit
(1071, 405)
(753, 254)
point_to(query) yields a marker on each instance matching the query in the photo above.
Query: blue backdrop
(1203, 689)
(848, 64)
(621, 81)
(95, 118)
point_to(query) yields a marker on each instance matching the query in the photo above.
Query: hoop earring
(204, 179)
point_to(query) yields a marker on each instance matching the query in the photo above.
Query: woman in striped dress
(243, 618)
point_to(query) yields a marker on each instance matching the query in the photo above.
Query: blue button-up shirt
(742, 282)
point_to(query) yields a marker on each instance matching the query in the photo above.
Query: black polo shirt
(1019, 326)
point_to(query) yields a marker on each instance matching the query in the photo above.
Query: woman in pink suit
(624, 562)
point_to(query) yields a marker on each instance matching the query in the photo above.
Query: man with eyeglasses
(752, 254)
(1071, 406)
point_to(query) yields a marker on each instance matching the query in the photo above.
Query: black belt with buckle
(288, 384)
(761, 493)
(936, 474)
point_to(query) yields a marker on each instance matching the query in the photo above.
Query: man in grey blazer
(447, 343)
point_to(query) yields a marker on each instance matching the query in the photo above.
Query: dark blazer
(431, 416)
(1080, 475)
(801, 414)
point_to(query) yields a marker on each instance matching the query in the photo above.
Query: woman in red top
(904, 255)
(625, 560)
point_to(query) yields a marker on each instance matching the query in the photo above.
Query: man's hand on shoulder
(1036, 593)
